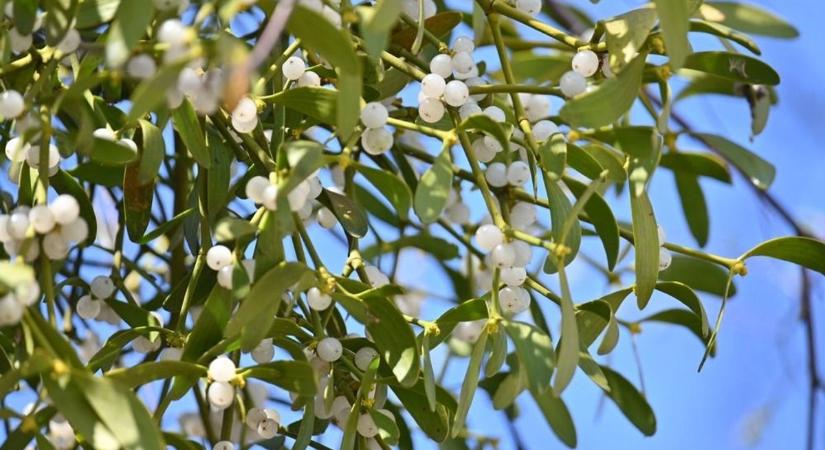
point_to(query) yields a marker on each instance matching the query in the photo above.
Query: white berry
(54, 246)
(318, 300)
(441, 65)
(586, 63)
(488, 237)
(433, 85)
(495, 113)
(221, 369)
(456, 93)
(329, 349)
(376, 141)
(374, 115)
(255, 188)
(431, 110)
(87, 307)
(293, 68)
(463, 62)
(11, 104)
(543, 129)
(102, 287)
(326, 218)
(496, 174)
(464, 44)
(503, 255)
(367, 426)
(41, 219)
(268, 428)
(220, 394)
(223, 445)
(218, 257)
(665, 258)
(518, 173)
(513, 276)
(364, 356)
(65, 209)
(572, 84)
(531, 7)
(263, 352)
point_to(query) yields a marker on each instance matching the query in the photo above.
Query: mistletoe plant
(179, 177)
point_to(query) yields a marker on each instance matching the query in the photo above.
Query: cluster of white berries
(245, 116)
(436, 90)
(12, 305)
(665, 258)
(59, 223)
(510, 258)
(585, 64)
(295, 69)
(90, 305)
(20, 43)
(264, 421)
(18, 151)
(376, 139)
(264, 191)
(221, 393)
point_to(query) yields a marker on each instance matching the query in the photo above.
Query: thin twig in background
(568, 20)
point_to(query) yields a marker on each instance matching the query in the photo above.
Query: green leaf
(386, 425)
(751, 19)
(553, 155)
(293, 376)
(535, 351)
(104, 412)
(625, 34)
(25, 13)
(111, 153)
(434, 188)
(435, 425)
(698, 164)
(498, 352)
(394, 338)
(684, 319)
(377, 23)
(348, 213)
(698, 274)
(529, 66)
(481, 122)
(600, 214)
(189, 128)
(725, 32)
(231, 229)
(804, 251)
(316, 102)
(427, 372)
(557, 416)
(433, 246)
(137, 201)
(560, 210)
(152, 151)
(92, 13)
(59, 18)
(256, 312)
(335, 45)
(305, 158)
(391, 187)
(470, 310)
(64, 183)
(646, 244)
(149, 371)
(166, 227)
(761, 172)
(470, 383)
(687, 297)
(674, 18)
(733, 66)
(611, 336)
(609, 101)
(568, 352)
(131, 21)
(632, 403)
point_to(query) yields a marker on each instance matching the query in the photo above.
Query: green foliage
(198, 158)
